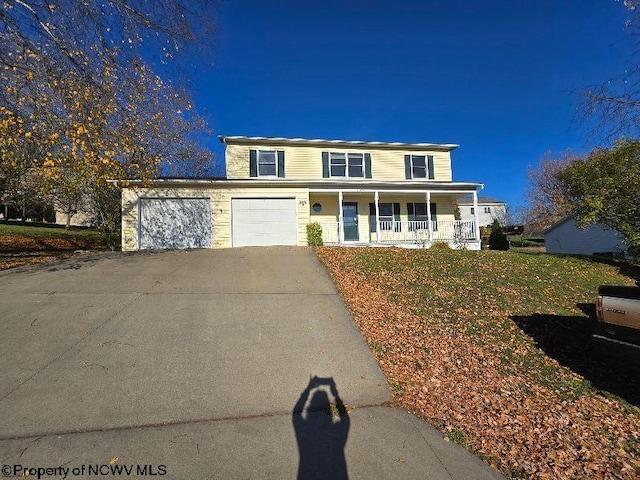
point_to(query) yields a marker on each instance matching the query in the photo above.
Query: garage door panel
(175, 223)
(264, 221)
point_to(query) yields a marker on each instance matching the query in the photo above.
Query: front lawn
(28, 243)
(495, 350)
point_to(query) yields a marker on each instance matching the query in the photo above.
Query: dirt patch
(12, 260)
(19, 250)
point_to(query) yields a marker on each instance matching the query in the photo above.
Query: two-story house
(359, 192)
(486, 210)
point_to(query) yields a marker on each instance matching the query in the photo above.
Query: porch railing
(414, 232)
(418, 231)
(330, 232)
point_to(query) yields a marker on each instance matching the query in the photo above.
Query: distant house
(80, 219)
(488, 210)
(567, 237)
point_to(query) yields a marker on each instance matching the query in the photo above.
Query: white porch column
(430, 225)
(475, 215)
(377, 198)
(340, 218)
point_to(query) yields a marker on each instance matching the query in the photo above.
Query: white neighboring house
(567, 237)
(488, 210)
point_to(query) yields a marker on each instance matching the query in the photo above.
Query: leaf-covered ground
(22, 244)
(495, 350)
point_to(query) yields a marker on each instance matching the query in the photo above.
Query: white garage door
(175, 223)
(264, 221)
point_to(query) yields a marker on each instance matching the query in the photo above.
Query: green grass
(458, 436)
(45, 230)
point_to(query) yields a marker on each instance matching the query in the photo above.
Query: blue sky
(493, 76)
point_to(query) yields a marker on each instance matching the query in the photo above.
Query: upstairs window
(473, 211)
(267, 166)
(266, 163)
(487, 209)
(418, 166)
(338, 165)
(356, 164)
(347, 165)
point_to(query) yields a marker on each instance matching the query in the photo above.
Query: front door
(350, 221)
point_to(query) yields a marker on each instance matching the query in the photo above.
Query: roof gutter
(319, 142)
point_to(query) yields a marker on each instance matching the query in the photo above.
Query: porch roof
(407, 186)
(314, 186)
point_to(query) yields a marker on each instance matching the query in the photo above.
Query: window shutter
(325, 164)
(281, 163)
(407, 167)
(367, 165)
(430, 167)
(411, 216)
(372, 218)
(433, 216)
(253, 163)
(396, 216)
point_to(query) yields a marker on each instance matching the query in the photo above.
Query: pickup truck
(618, 313)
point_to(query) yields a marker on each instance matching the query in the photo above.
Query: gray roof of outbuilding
(469, 201)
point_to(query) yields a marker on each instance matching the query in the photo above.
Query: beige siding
(329, 204)
(237, 161)
(305, 162)
(220, 209)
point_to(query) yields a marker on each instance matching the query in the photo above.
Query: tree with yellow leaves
(82, 104)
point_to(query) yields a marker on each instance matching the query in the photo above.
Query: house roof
(469, 201)
(557, 224)
(447, 147)
(319, 185)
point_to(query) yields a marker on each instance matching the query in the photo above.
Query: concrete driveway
(191, 363)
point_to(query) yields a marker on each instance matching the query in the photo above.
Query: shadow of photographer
(321, 429)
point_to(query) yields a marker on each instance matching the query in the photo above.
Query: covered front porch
(408, 217)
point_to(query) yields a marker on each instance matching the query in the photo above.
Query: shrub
(440, 245)
(314, 234)
(524, 242)
(497, 239)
